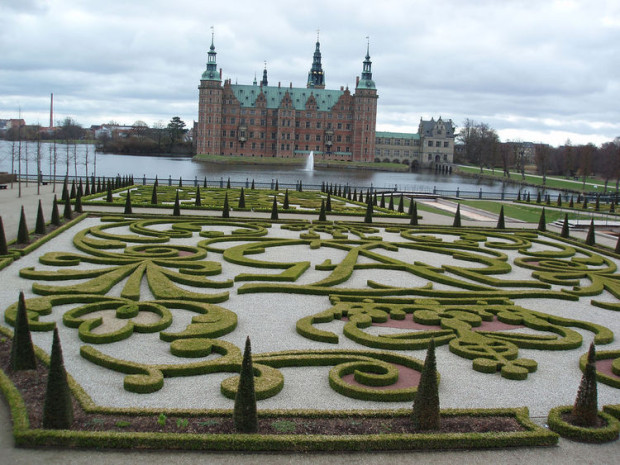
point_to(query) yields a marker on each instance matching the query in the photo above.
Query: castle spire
(264, 81)
(316, 77)
(366, 80)
(211, 73)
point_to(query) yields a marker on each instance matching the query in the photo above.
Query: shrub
(368, 217)
(585, 409)
(590, 237)
(322, 215)
(414, 214)
(198, 199)
(242, 199)
(55, 213)
(501, 223)
(401, 204)
(391, 205)
(426, 403)
(457, 217)
(274, 209)
(4, 249)
(176, 211)
(128, 203)
(67, 210)
(285, 205)
(542, 223)
(328, 203)
(40, 226)
(22, 229)
(57, 410)
(244, 414)
(154, 194)
(565, 229)
(22, 350)
(226, 208)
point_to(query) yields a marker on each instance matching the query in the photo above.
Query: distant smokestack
(52, 110)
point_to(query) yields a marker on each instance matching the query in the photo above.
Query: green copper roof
(397, 135)
(247, 94)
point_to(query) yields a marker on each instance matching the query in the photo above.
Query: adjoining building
(262, 120)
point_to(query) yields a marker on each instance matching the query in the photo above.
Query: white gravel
(270, 318)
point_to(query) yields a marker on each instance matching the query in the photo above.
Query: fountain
(310, 162)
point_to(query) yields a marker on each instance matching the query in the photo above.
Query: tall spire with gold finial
(211, 73)
(366, 80)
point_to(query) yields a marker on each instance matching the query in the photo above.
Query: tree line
(481, 146)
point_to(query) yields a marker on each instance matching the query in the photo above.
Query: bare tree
(541, 158)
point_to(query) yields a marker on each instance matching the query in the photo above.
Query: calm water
(175, 167)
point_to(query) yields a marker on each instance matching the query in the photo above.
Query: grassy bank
(552, 182)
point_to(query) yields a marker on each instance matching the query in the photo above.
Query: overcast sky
(540, 71)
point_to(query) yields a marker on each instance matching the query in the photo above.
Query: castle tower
(209, 106)
(316, 77)
(365, 113)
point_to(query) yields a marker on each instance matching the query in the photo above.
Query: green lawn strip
(523, 212)
(552, 182)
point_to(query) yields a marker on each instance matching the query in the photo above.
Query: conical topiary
(301, 188)
(519, 196)
(274, 209)
(73, 192)
(565, 229)
(277, 185)
(198, 199)
(109, 197)
(414, 214)
(128, 203)
(597, 205)
(391, 205)
(382, 203)
(590, 238)
(67, 210)
(252, 186)
(285, 204)
(528, 197)
(322, 215)
(501, 222)
(180, 181)
(426, 402)
(22, 350)
(55, 214)
(612, 206)
(226, 208)
(176, 210)
(585, 409)
(401, 204)
(87, 187)
(154, 195)
(245, 416)
(241, 199)
(78, 201)
(57, 409)
(571, 203)
(368, 216)
(617, 249)
(538, 199)
(457, 217)
(228, 184)
(65, 190)
(374, 199)
(204, 184)
(4, 248)
(328, 203)
(22, 229)
(559, 200)
(542, 222)
(40, 226)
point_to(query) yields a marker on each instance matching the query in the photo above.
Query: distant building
(262, 120)
(431, 147)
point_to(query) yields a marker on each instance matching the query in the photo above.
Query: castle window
(446, 144)
(430, 143)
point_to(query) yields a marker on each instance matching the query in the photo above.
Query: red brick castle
(260, 120)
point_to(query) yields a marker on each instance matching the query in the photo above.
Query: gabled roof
(247, 94)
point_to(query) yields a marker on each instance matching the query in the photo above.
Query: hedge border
(577, 433)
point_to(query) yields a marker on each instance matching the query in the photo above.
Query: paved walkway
(567, 453)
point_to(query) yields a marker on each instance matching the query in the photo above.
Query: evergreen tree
(274, 209)
(65, 190)
(538, 199)
(67, 210)
(565, 229)
(80, 189)
(612, 206)
(585, 202)
(22, 229)
(198, 199)
(245, 415)
(374, 199)
(204, 184)
(391, 205)
(426, 403)
(301, 189)
(410, 212)
(241, 203)
(368, 217)
(501, 222)
(414, 214)
(559, 200)
(328, 203)
(382, 204)
(597, 205)
(617, 249)
(73, 192)
(78, 201)
(457, 217)
(548, 199)
(277, 185)
(176, 211)
(571, 204)
(401, 204)
(528, 197)
(154, 195)
(226, 208)
(4, 248)
(156, 183)
(55, 213)
(87, 187)
(128, 203)
(22, 350)
(590, 238)
(252, 187)
(286, 205)
(519, 196)
(542, 222)
(228, 184)
(180, 181)
(57, 409)
(368, 199)
(40, 227)
(322, 215)
(585, 409)
(109, 197)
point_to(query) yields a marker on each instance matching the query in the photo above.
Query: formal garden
(228, 332)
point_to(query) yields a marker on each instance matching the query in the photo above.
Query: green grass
(530, 214)
(553, 182)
